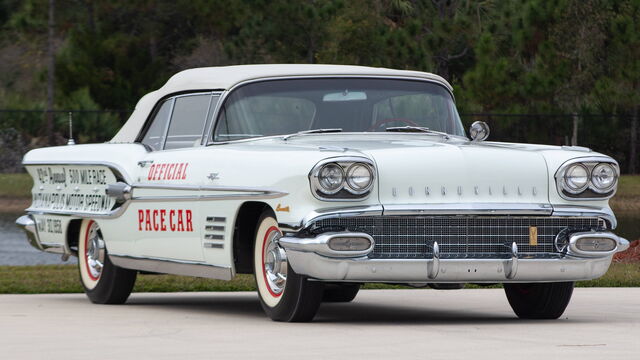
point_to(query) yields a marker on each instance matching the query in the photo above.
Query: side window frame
(209, 134)
(206, 124)
(212, 115)
(166, 127)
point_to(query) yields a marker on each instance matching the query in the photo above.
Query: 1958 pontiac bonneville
(317, 179)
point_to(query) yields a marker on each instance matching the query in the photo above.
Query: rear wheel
(340, 292)
(539, 300)
(284, 295)
(103, 282)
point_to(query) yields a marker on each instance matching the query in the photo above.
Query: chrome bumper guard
(309, 256)
(28, 224)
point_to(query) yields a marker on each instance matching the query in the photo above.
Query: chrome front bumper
(308, 257)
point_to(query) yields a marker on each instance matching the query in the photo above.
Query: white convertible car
(317, 179)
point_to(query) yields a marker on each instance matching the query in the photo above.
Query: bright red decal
(157, 220)
(168, 171)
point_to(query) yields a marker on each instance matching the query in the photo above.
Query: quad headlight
(331, 178)
(604, 177)
(359, 178)
(344, 178)
(576, 178)
(588, 178)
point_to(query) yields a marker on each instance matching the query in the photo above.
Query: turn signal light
(596, 244)
(349, 244)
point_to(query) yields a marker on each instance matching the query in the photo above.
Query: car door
(168, 225)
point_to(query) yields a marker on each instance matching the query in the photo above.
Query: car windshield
(280, 107)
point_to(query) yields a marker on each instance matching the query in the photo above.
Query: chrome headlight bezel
(347, 191)
(590, 191)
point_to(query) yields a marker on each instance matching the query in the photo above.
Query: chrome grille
(457, 236)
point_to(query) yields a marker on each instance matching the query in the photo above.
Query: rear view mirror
(345, 96)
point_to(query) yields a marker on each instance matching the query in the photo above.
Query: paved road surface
(380, 324)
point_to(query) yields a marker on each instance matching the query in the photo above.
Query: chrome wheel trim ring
(274, 263)
(94, 252)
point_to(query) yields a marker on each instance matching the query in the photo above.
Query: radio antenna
(71, 141)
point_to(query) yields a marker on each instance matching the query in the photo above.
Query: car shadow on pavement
(248, 306)
(406, 314)
(235, 304)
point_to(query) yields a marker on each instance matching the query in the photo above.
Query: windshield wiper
(312, 131)
(416, 129)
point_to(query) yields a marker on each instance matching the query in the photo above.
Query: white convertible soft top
(225, 77)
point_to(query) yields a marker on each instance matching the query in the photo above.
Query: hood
(429, 170)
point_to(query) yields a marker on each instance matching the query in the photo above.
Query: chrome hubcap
(95, 251)
(275, 264)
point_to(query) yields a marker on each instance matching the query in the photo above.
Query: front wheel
(284, 295)
(103, 282)
(539, 300)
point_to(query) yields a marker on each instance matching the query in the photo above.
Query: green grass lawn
(46, 279)
(629, 186)
(627, 197)
(15, 185)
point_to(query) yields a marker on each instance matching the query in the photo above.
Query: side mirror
(479, 131)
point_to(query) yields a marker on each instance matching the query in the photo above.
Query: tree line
(577, 58)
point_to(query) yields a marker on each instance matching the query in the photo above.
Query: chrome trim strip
(454, 209)
(468, 209)
(265, 195)
(214, 228)
(260, 193)
(585, 211)
(176, 267)
(320, 244)
(110, 215)
(214, 237)
(213, 245)
(363, 210)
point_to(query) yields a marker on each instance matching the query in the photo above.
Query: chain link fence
(22, 130)
(608, 134)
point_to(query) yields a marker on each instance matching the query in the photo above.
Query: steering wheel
(379, 123)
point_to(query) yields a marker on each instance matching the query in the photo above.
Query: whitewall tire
(103, 282)
(284, 295)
